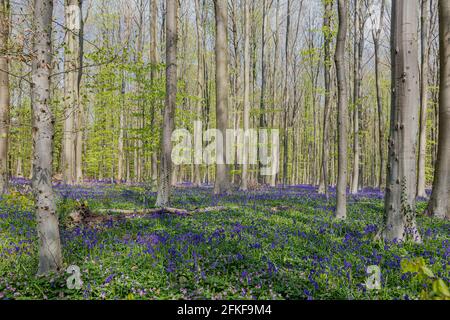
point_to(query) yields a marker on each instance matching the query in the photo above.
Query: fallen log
(83, 215)
(165, 210)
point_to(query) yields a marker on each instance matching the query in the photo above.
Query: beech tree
(424, 48)
(4, 94)
(327, 35)
(71, 94)
(439, 205)
(222, 182)
(165, 171)
(400, 201)
(246, 90)
(341, 190)
(50, 257)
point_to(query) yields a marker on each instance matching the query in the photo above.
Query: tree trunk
(50, 258)
(323, 183)
(154, 60)
(222, 184)
(421, 179)
(275, 72)
(439, 205)
(200, 82)
(400, 204)
(246, 92)
(262, 112)
(341, 192)
(79, 119)
(4, 94)
(376, 40)
(71, 67)
(286, 96)
(358, 53)
(164, 185)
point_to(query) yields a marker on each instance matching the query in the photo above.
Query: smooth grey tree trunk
(165, 172)
(71, 69)
(244, 185)
(222, 183)
(79, 121)
(50, 258)
(439, 205)
(200, 80)
(4, 94)
(421, 179)
(286, 95)
(341, 191)
(376, 40)
(358, 55)
(323, 183)
(154, 59)
(400, 200)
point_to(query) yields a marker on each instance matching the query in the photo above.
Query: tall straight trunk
(286, 96)
(200, 79)
(400, 200)
(4, 94)
(121, 157)
(262, 112)
(79, 115)
(376, 40)
(358, 49)
(246, 92)
(164, 184)
(120, 143)
(424, 48)
(50, 257)
(439, 205)
(222, 184)
(273, 180)
(154, 60)
(341, 192)
(71, 68)
(323, 183)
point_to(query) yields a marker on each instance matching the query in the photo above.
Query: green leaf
(427, 271)
(441, 288)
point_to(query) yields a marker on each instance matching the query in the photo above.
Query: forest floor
(266, 244)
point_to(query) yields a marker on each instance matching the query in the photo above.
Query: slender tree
(50, 258)
(79, 121)
(286, 95)
(424, 48)
(71, 68)
(357, 78)
(400, 201)
(4, 94)
(246, 90)
(165, 172)
(154, 59)
(341, 192)
(439, 205)
(200, 80)
(327, 35)
(222, 184)
(376, 35)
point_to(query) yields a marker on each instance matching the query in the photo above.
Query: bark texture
(165, 172)
(341, 191)
(400, 200)
(50, 258)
